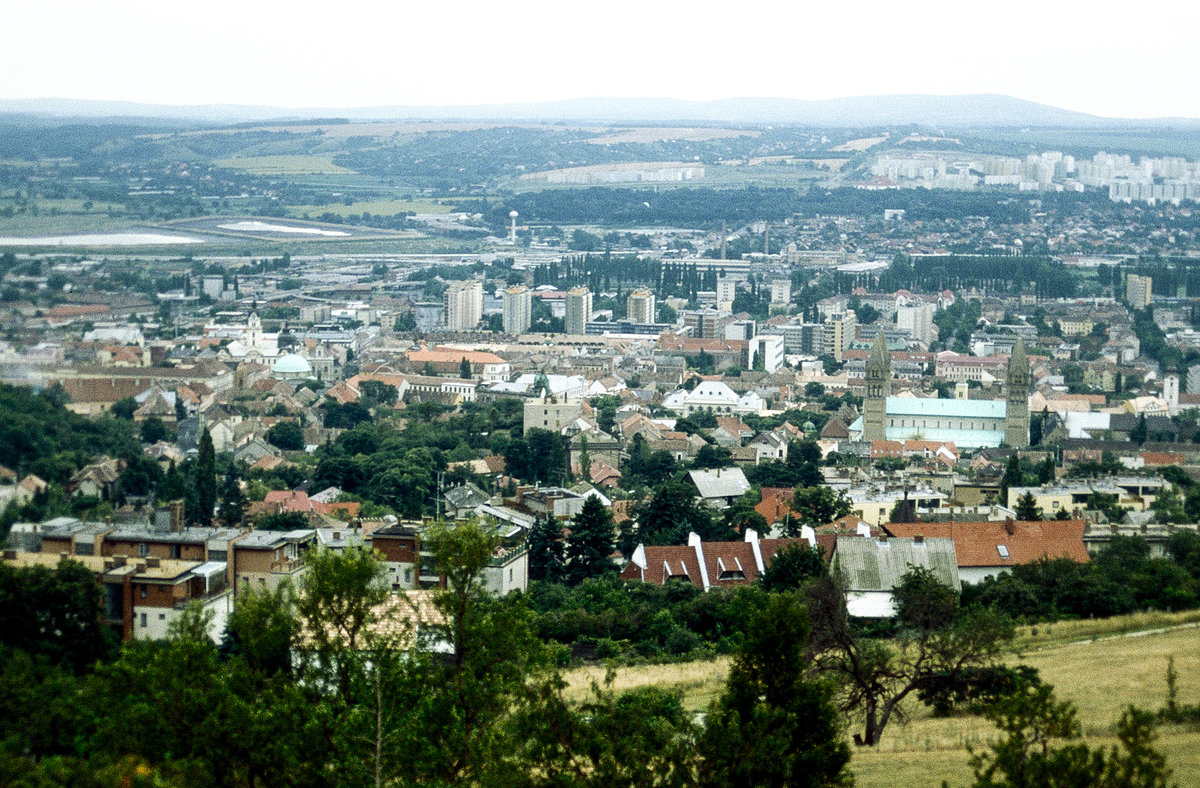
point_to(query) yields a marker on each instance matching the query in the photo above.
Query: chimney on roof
(1009, 528)
(918, 539)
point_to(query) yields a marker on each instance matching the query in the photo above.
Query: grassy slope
(1101, 666)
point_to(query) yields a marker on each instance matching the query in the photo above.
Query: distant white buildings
(715, 397)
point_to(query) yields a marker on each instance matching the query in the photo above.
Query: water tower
(512, 229)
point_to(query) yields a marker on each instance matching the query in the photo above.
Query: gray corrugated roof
(878, 565)
(721, 483)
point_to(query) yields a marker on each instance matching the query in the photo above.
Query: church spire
(878, 380)
(1016, 398)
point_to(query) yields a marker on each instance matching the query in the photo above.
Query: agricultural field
(382, 207)
(1101, 666)
(297, 164)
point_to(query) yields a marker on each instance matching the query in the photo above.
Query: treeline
(1123, 578)
(327, 685)
(1049, 278)
(677, 207)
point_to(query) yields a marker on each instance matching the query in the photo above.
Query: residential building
(639, 307)
(463, 302)
(579, 310)
(987, 549)
(141, 597)
(1137, 290)
(719, 487)
(518, 309)
(917, 322)
(766, 353)
(550, 413)
(706, 565)
(870, 569)
(840, 330)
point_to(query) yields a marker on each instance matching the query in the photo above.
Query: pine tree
(1027, 508)
(546, 558)
(1046, 471)
(464, 369)
(232, 499)
(175, 486)
(205, 481)
(1013, 477)
(591, 542)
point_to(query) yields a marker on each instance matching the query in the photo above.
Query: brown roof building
(986, 549)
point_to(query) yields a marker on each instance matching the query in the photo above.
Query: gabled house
(719, 487)
(705, 565)
(769, 447)
(98, 480)
(870, 569)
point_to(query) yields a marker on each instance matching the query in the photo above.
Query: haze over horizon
(472, 53)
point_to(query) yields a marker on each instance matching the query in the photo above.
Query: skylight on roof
(1003, 550)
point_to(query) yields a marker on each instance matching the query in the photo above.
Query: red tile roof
(977, 544)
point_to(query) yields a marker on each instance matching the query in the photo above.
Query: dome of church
(292, 364)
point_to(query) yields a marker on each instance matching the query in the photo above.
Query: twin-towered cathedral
(970, 424)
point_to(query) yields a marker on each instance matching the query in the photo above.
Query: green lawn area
(1101, 666)
(297, 164)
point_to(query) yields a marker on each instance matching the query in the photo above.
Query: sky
(1126, 60)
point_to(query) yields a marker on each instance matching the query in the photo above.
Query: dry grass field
(299, 164)
(1101, 666)
(860, 144)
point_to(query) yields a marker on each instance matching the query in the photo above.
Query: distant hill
(986, 110)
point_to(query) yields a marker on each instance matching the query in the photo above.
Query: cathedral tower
(879, 386)
(1016, 394)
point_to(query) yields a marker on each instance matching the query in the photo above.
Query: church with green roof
(969, 423)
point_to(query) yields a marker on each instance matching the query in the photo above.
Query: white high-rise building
(518, 309)
(917, 322)
(579, 310)
(640, 306)
(464, 305)
(781, 291)
(726, 291)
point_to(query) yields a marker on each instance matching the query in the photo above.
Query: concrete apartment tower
(878, 387)
(517, 309)
(463, 305)
(639, 307)
(1016, 394)
(579, 310)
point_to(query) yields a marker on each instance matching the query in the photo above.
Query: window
(142, 620)
(510, 575)
(162, 616)
(143, 550)
(174, 551)
(1003, 550)
(143, 591)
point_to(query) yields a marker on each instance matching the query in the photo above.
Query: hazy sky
(1129, 59)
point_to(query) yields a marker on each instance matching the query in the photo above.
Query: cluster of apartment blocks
(149, 575)
(1172, 179)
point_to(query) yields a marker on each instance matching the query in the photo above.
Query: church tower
(879, 386)
(1016, 394)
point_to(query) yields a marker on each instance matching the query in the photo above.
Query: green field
(1101, 672)
(297, 164)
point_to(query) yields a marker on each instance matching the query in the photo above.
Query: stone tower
(1016, 395)
(879, 386)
